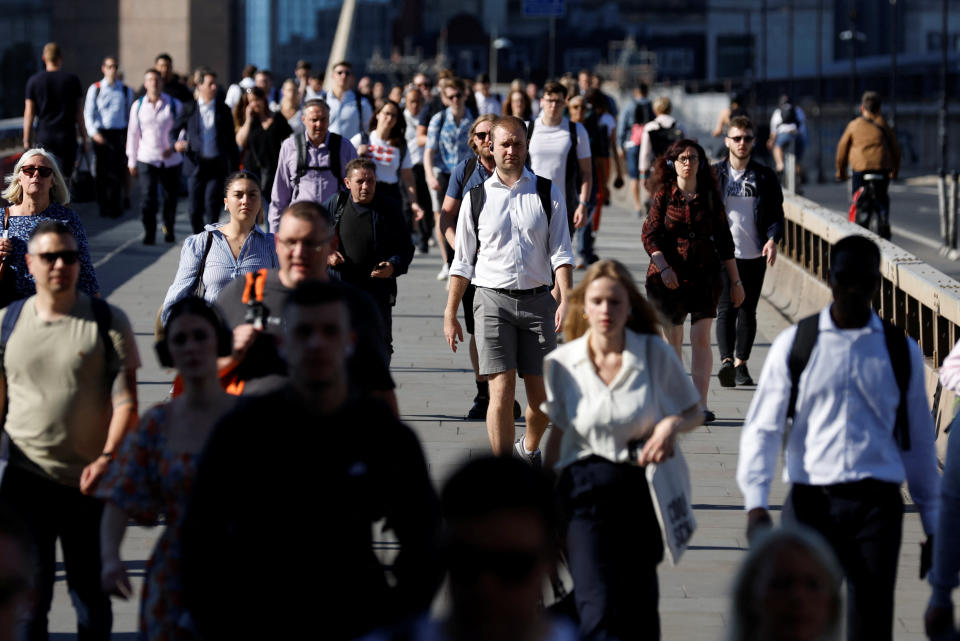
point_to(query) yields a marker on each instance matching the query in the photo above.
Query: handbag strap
(198, 279)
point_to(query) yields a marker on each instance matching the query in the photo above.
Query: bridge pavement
(435, 388)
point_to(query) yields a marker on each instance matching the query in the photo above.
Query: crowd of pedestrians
(307, 207)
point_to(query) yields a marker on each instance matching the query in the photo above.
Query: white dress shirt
(600, 419)
(843, 427)
(517, 249)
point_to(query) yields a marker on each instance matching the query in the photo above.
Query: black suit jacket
(192, 122)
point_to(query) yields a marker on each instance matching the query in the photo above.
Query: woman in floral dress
(150, 480)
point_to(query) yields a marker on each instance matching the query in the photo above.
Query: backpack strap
(544, 185)
(300, 140)
(478, 197)
(104, 317)
(468, 170)
(338, 208)
(336, 140)
(530, 126)
(574, 179)
(364, 138)
(803, 342)
(137, 113)
(898, 349)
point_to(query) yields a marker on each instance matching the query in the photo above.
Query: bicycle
(865, 210)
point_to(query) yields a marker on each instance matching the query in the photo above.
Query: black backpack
(788, 114)
(643, 113)
(478, 198)
(302, 167)
(662, 138)
(468, 170)
(897, 348)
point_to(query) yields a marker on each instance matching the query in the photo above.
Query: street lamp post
(820, 176)
(853, 36)
(893, 63)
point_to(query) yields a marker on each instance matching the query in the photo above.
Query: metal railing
(914, 296)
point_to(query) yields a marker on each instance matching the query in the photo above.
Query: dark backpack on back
(897, 348)
(662, 138)
(788, 114)
(302, 159)
(478, 199)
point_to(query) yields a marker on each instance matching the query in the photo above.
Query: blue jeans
(54, 511)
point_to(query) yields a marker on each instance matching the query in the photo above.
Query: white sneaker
(444, 272)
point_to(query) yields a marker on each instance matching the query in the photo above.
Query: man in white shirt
(349, 112)
(487, 103)
(511, 255)
(856, 434)
(554, 156)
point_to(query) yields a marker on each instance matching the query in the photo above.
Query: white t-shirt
(415, 151)
(548, 151)
(600, 419)
(740, 198)
(385, 155)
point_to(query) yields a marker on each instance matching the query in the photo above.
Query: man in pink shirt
(152, 157)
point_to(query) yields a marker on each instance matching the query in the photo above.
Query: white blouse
(600, 419)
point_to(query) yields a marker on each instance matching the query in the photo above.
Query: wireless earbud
(669, 163)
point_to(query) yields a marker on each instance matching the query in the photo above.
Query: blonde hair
(59, 193)
(662, 105)
(643, 317)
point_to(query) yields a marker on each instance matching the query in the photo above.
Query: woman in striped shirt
(225, 251)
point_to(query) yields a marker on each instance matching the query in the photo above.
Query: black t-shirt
(263, 150)
(264, 370)
(56, 97)
(356, 243)
(278, 526)
(434, 107)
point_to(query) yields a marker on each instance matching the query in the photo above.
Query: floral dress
(151, 483)
(19, 229)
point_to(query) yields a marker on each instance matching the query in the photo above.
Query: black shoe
(743, 375)
(478, 411)
(168, 234)
(516, 410)
(708, 416)
(727, 374)
(149, 239)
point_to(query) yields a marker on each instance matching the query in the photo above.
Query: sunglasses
(68, 256)
(511, 567)
(343, 72)
(739, 138)
(30, 170)
(481, 135)
(454, 96)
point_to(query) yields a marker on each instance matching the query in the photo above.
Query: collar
(204, 105)
(526, 176)
(326, 140)
(825, 323)
(630, 357)
(104, 83)
(217, 226)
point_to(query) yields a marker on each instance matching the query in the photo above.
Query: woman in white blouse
(386, 145)
(619, 395)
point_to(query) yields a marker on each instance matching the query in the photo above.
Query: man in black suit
(211, 148)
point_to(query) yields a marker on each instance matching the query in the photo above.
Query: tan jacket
(869, 145)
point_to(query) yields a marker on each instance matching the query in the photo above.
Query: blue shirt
(449, 140)
(460, 185)
(258, 252)
(107, 109)
(344, 118)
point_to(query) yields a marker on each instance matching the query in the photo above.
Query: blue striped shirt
(449, 139)
(258, 252)
(110, 109)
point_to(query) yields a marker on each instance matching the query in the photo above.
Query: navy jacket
(226, 137)
(768, 208)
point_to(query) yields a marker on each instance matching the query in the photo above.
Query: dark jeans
(863, 523)
(54, 511)
(880, 188)
(586, 236)
(111, 159)
(613, 547)
(205, 187)
(737, 327)
(152, 178)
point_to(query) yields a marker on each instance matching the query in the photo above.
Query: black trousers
(65, 149)
(863, 523)
(54, 511)
(613, 548)
(151, 179)
(737, 327)
(111, 159)
(205, 187)
(425, 225)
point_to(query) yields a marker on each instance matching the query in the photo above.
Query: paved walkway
(436, 388)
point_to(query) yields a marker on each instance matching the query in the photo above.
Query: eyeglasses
(30, 170)
(691, 158)
(454, 96)
(68, 256)
(481, 135)
(551, 101)
(577, 107)
(739, 138)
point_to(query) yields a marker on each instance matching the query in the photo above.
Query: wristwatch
(584, 203)
(739, 282)
(108, 455)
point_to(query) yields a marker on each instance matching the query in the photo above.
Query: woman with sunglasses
(151, 477)
(224, 251)
(386, 145)
(260, 132)
(37, 191)
(618, 396)
(688, 239)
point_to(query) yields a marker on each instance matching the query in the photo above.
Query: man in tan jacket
(870, 147)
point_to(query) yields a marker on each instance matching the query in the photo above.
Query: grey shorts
(513, 332)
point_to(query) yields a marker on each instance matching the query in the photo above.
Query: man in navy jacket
(373, 244)
(211, 148)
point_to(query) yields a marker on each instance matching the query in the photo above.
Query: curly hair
(665, 172)
(643, 317)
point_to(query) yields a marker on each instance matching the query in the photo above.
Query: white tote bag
(670, 491)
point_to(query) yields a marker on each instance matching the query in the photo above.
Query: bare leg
(778, 157)
(701, 362)
(674, 335)
(500, 425)
(536, 420)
